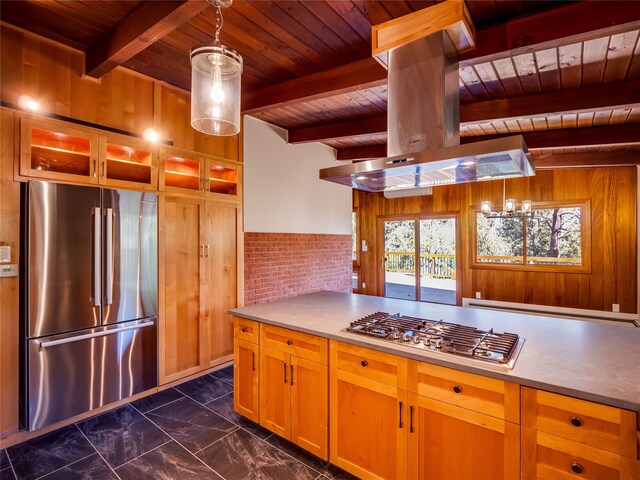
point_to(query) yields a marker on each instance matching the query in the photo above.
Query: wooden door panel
(310, 405)
(246, 377)
(275, 394)
(220, 242)
(368, 427)
(450, 442)
(181, 333)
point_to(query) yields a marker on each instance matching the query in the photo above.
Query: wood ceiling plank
(602, 118)
(575, 22)
(397, 8)
(354, 16)
(299, 13)
(473, 83)
(483, 11)
(619, 115)
(249, 11)
(548, 69)
(489, 78)
(527, 73)
(149, 22)
(585, 119)
(634, 67)
(347, 78)
(594, 57)
(570, 60)
(619, 55)
(367, 126)
(507, 73)
(374, 11)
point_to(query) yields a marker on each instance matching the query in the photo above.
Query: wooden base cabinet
(246, 377)
(294, 389)
(450, 442)
(567, 438)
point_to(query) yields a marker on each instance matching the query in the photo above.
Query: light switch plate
(478, 295)
(616, 308)
(5, 254)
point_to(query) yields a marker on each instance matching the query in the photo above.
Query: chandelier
(509, 207)
(215, 84)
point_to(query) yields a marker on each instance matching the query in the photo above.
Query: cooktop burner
(500, 348)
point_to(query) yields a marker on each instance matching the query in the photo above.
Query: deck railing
(530, 260)
(431, 264)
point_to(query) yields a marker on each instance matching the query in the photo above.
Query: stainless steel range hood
(423, 124)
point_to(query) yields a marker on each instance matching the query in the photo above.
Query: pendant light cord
(219, 22)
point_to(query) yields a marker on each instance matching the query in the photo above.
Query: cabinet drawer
(246, 329)
(299, 344)
(549, 457)
(608, 428)
(496, 398)
(378, 366)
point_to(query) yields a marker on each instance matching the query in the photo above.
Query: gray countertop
(586, 360)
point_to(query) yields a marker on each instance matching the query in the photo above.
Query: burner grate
(437, 335)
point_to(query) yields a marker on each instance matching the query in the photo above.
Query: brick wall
(279, 265)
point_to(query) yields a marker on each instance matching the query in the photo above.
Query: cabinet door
(181, 172)
(182, 334)
(55, 151)
(128, 162)
(246, 377)
(309, 405)
(222, 178)
(368, 426)
(446, 441)
(275, 394)
(221, 294)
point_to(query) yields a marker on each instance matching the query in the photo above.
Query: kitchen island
(569, 404)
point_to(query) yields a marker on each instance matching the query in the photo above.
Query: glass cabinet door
(127, 162)
(180, 172)
(55, 151)
(222, 178)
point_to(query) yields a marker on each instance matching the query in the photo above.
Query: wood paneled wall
(613, 277)
(123, 99)
(52, 74)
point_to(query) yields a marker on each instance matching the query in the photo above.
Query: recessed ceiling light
(150, 135)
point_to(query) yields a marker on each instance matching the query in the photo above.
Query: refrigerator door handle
(96, 257)
(109, 254)
(77, 338)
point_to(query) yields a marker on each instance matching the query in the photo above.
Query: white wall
(282, 191)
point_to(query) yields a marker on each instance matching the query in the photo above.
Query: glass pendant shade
(215, 90)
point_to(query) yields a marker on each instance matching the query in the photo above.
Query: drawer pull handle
(577, 468)
(291, 374)
(253, 361)
(289, 342)
(285, 372)
(400, 423)
(576, 422)
(244, 329)
(364, 363)
(457, 389)
(411, 419)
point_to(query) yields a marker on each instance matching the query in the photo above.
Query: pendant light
(215, 84)
(509, 207)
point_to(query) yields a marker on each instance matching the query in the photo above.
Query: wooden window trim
(356, 261)
(585, 232)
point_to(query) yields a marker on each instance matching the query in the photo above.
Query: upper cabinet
(129, 162)
(57, 151)
(52, 150)
(204, 175)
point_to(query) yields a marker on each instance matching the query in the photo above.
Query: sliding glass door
(419, 261)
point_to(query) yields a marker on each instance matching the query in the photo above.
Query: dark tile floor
(187, 432)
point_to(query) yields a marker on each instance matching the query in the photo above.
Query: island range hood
(423, 124)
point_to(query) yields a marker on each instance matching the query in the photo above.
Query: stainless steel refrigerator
(90, 298)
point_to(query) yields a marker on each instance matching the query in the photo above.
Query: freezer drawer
(73, 373)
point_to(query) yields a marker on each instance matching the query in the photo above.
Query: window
(553, 237)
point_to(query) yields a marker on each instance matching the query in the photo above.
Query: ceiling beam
(145, 25)
(354, 76)
(570, 137)
(621, 158)
(333, 131)
(593, 98)
(575, 22)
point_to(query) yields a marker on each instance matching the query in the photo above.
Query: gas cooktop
(500, 348)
